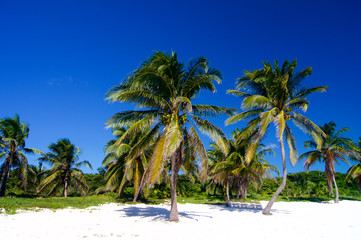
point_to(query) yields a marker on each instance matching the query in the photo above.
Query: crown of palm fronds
(274, 94)
(165, 88)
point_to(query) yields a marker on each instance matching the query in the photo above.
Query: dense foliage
(300, 186)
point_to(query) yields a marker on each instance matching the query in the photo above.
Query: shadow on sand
(252, 210)
(158, 213)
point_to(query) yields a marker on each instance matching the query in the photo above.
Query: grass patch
(10, 205)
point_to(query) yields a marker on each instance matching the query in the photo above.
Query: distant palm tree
(13, 134)
(330, 150)
(220, 171)
(121, 166)
(355, 171)
(274, 94)
(165, 87)
(64, 157)
(233, 167)
(36, 175)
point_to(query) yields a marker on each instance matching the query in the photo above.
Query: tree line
(154, 143)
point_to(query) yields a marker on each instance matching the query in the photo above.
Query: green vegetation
(13, 134)
(304, 186)
(329, 149)
(166, 88)
(355, 171)
(274, 94)
(10, 205)
(160, 139)
(231, 167)
(64, 157)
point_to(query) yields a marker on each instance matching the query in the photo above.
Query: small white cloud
(58, 81)
(272, 145)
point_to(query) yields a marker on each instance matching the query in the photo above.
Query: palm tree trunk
(336, 189)
(65, 188)
(267, 210)
(4, 177)
(359, 183)
(176, 158)
(238, 188)
(227, 190)
(244, 190)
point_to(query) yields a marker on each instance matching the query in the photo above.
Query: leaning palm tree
(164, 87)
(274, 94)
(13, 134)
(330, 150)
(355, 170)
(64, 158)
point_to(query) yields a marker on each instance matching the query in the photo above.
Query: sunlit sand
(289, 220)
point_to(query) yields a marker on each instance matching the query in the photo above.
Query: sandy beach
(289, 220)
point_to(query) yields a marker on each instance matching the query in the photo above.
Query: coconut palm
(330, 150)
(233, 167)
(64, 158)
(254, 171)
(220, 170)
(164, 87)
(355, 171)
(36, 175)
(274, 94)
(121, 167)
(13, 134)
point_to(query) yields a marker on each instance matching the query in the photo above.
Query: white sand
(290, 220)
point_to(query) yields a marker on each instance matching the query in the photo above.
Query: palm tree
(330, 150)
(64, 158)
(121, 167)
(165, 87)
(274, 94)
(36, 175)
(254, 171)
(232, 166)
(221, 170)
(355, 171)
(13, 134)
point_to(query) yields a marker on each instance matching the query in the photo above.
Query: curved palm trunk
(4, 177)
(267, 210)
(359, 183)
(336, 189)
(176, 160)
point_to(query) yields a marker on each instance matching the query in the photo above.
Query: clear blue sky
(59, 58)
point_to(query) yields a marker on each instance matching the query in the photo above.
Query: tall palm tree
(13, 134)
(355, 170)
(64, 158)
(330, 150)
(165, 87)
(274, 94)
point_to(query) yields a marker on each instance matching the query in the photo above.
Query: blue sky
(59, 58)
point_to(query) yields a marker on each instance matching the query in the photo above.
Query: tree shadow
(252, 210)
(158, 213)
(236, 209)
